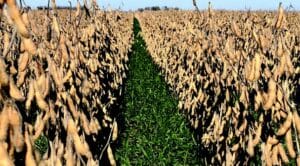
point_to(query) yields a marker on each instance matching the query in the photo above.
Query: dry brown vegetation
(60, 77)
(237, 78)
(236, 75)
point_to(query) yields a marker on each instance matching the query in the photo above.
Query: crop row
(237, 78)
(61, 74)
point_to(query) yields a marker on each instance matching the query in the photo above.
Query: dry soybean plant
(237, 78)
(61, 81)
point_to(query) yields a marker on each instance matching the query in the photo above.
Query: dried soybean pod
(115, 131)
(254, 34)
(30, 95)
(243, 125)
(279, 48)
(282, 114)
(78, 9)
(267, 73)
(72, 107)
(272, 140)
(267, 154)
(70, 161)
(257, 63)
(63, 49)
(282, 153)
(85, 124)
(40, 101)
(250, 147)
(227, 95)
(67, 76)
(81, 147)
(275, 155)
(71, 127)
(16, 17)
(269, 101)
(21, 78)
(286, 125)
(29, 159)
(4, 157)
(111, 158)
(258, 100)
(23, 61)
(56, 26)
(249, 71)
(29, 46)
(228, 112)
(40, 127)
(15, 121)
(258, 134)
(4, 77)
(235, 147)
(25, 19)
(280, 17)
(236, 29)
(296, 121)
(12, 69)
(289, 143)
(47, 86)
(4, 123)
(6, 41)
(14, 92)
(41, 83)
(42, 104)
(281, 67)
(94, 126)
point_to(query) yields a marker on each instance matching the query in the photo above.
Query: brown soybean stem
(107, 143)
(296, 135)
(11, 42)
